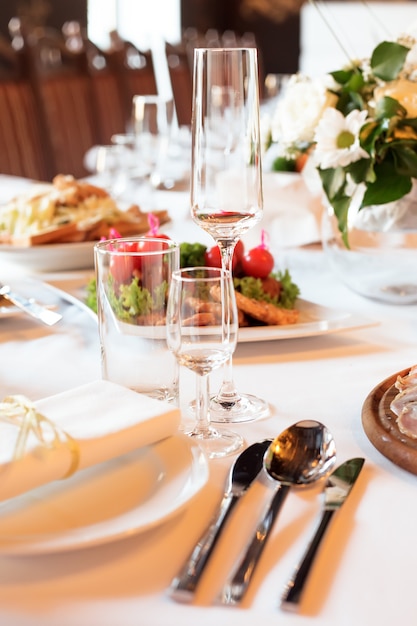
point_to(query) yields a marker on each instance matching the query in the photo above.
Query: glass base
(247, 408)
(382, 249)
(217, 443)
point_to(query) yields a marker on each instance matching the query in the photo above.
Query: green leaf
(192, 254)
(349, 101)
(405, 158)
(370, 135)
(342, 76)
(355, 83)
(134, 300)
(361, 170)
(333, 181)
(411, 122)
(341, 209)
(289, 292)
(334, 185)
(387, 60)
(389, 107)
(388, 186)
(252, 288)
(282, 164)
(91, 295)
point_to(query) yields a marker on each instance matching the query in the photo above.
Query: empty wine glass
(152, 123)
(134, 174)
(108, 167)
(202, 333)
(226, 177)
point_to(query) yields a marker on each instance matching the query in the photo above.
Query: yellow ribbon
(21, 412)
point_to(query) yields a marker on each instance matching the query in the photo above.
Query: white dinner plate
(122, 497)
(314, 319)
(54, 257)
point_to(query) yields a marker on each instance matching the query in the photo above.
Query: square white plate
(314, 319)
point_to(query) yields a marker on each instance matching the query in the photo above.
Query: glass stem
(228, 393)
(202, 427)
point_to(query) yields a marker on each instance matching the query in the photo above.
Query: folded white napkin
(292, 214)
(94, 422)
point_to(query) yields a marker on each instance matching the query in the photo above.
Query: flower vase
(380, 261)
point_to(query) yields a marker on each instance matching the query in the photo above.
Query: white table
(365, 571)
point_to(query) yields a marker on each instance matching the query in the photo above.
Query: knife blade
(242, 474)
(337, 488)
(31, 307)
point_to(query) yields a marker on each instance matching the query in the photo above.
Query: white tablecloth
(365, 571)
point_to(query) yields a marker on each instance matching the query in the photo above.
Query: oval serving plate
(380, 425)
(54, 257)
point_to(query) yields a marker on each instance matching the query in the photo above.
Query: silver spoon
(301, 455)
(242, 474)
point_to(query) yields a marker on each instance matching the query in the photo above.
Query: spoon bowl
(302, 454)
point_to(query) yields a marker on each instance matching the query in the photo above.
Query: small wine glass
(202, 331)
(226, 177)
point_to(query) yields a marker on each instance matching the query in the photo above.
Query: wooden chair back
(135, 71)
(107, 95)
(180, 72)
(63, 88)
(23, 149)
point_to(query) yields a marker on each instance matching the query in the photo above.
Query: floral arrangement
(359, 124)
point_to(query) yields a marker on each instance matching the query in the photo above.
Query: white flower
(337, 139)
(300, 109)
(411, 60)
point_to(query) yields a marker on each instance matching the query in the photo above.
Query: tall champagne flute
(199, 302)
(226, 177)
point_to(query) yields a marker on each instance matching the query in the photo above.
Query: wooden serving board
(380, 426)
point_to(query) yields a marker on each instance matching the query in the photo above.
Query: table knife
(31, 307)
(243, 473)
(336, 490)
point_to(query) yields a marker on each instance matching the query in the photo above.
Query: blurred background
(290, 34)
(275, 23)
(69, 70)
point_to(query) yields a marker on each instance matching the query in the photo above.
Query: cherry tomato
(258, 262)
(239, 250)
(212, 256)
(158, 235)
(123, 268)
(142, 245)
(237, 258)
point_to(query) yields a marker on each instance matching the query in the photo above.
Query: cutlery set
(300, 456)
